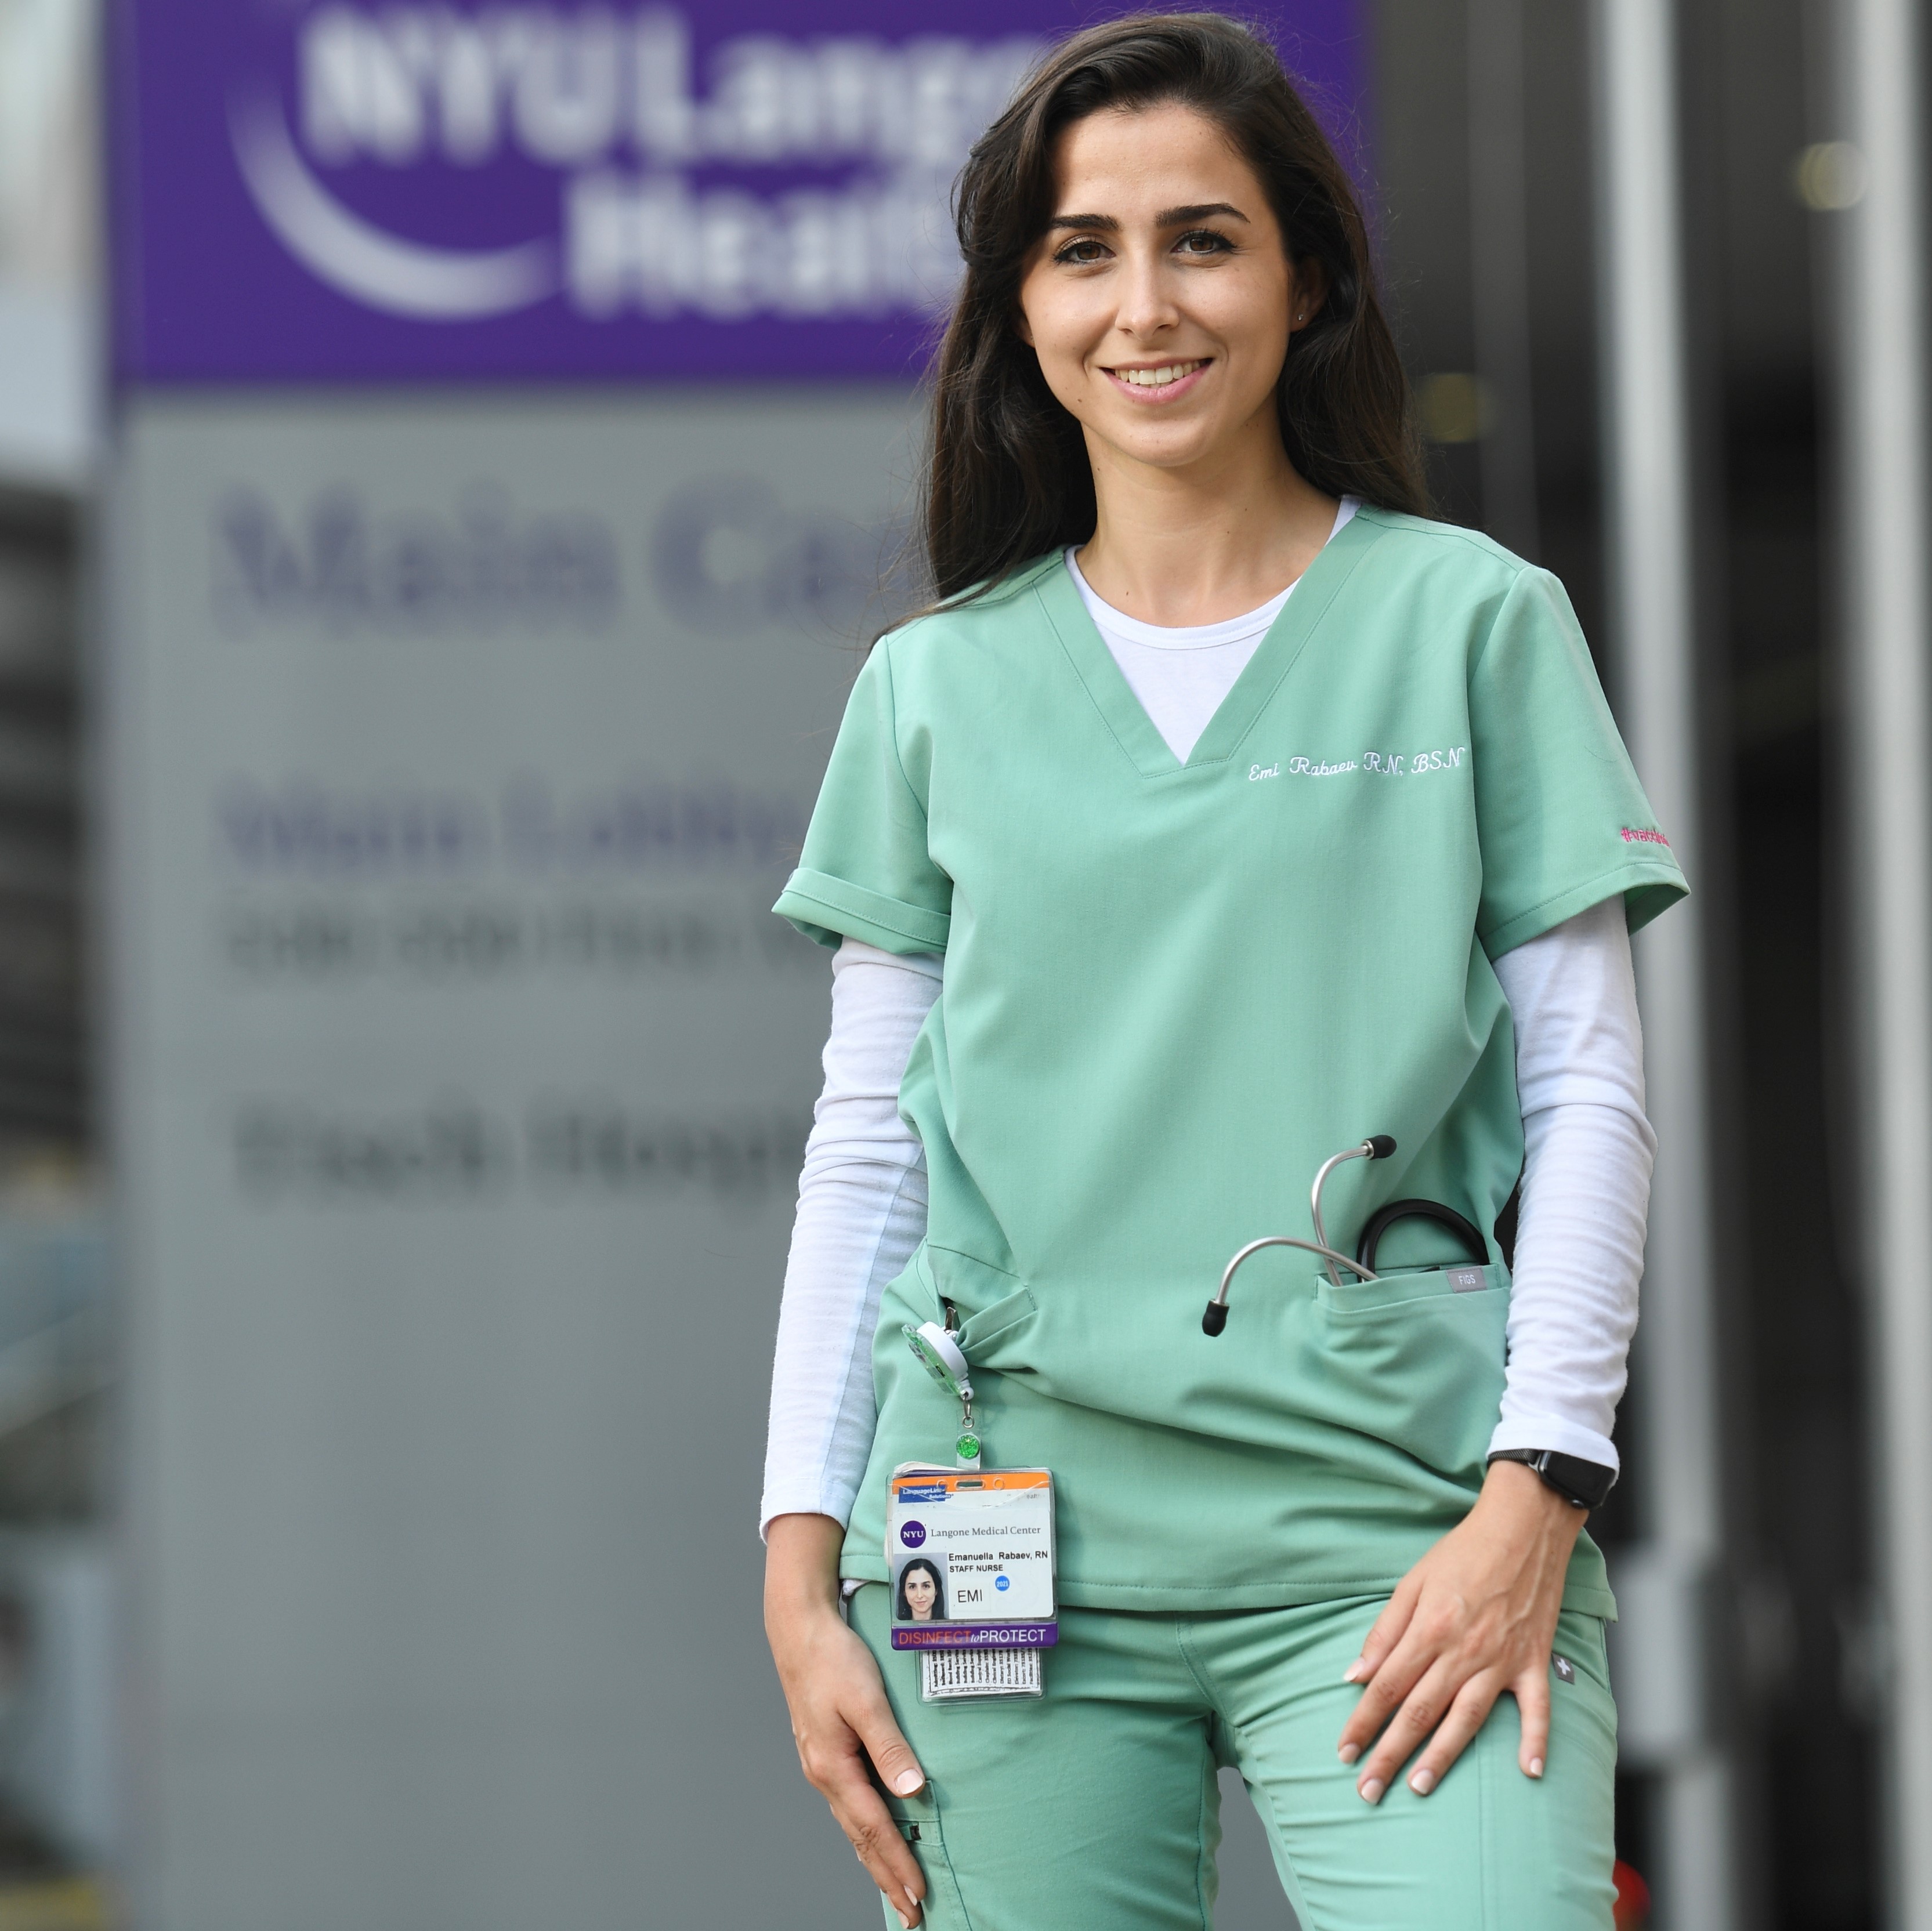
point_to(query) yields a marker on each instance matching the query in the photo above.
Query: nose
(1148, 304)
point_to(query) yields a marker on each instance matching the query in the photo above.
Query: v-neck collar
(1274, 657)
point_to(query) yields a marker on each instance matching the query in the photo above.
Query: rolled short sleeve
(1562, 822)
(866, 871)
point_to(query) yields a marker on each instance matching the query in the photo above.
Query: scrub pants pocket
(921, 1825)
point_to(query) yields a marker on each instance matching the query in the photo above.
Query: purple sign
(362, 190)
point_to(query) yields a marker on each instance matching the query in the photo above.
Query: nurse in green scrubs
(1172, 989)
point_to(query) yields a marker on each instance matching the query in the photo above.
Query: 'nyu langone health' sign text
(421, 191)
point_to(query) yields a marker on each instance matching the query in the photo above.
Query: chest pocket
(1416, 1359)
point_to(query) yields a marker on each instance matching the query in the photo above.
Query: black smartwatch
(1583, 1484)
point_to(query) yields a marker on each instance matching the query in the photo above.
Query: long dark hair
(1008, 477)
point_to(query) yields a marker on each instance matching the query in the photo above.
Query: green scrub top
(1171, 991)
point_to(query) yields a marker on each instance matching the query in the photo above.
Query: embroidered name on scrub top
(1384, 765)
(1171, 991)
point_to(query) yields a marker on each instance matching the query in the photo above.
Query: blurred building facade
(60, 1740)
(1793, 1672)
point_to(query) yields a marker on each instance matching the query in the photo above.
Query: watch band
(1583, 1484)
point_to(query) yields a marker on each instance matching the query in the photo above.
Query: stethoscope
(936, 1349)
(1376, 1147)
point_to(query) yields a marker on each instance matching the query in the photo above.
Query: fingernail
(906, 1782)
(914, 1895)
(1354, 1672)
(1536, 1766)
(1349, 1753)
(1423, 1783)
(1370, 1790)
(904, 1919)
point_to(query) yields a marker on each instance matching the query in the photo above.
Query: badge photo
(920, 1589)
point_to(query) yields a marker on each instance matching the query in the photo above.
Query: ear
(1307, 290)
(1022, 328)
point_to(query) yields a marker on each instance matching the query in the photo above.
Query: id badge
(972, 1558)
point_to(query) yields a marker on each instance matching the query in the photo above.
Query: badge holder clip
(937, 1351)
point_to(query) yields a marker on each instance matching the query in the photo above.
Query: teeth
(1159, 379)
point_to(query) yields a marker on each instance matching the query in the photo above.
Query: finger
(1532, 1699)
(899, 1770)
(885, 1744)
(1424, 1706)
(1388, 1630)
(1385, 1692)
(839, 1772)
(1468, 1713)
(873, 1833)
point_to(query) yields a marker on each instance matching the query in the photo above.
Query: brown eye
(1203, 241)
(1079, 254)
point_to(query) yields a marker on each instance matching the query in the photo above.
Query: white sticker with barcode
(979, 1672)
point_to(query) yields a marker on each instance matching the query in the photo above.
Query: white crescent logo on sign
(364, 262)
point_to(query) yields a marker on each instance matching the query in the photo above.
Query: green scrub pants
(1096, 1808)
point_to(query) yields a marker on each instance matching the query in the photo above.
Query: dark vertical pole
(1499, 272)
(1884, 623)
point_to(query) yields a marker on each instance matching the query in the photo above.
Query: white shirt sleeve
(1586, 1184)
(861, 1212)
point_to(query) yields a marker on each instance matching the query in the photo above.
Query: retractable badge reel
(942, 1357)
(971, 1553)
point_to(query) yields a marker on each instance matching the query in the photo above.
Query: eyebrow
(1168, 217)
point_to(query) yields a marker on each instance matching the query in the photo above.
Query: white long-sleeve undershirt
(1588, 1151)
(861, 1212)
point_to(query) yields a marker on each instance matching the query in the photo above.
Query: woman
(922, 1595)
(1224, 811)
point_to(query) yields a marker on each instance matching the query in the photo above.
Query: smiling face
(921, 1592)
(1160, 300)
